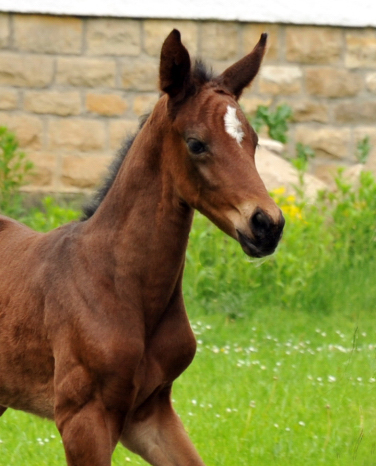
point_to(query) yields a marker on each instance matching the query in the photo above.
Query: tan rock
(144, 103)
(251, 35)
(105, 104)
(84, 171)
(27, 128)
(48, 34)
(120, 130)
(86, 72)
(139, 74)
(113, 36)
(309, 110)
(280, 80)
(25, 70)
(8, 99)
(77, 134)
(4, 30)
(44, 171)
(361, 49)
(62, 103)
(249, 103)
(332, 82)
(313, 45)
(327, 171)
(371, 82)
(277, 172)
(326, 142)
(355, 112)
(156, 31)
(219, 40)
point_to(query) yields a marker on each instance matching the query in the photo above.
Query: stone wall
(72, 88)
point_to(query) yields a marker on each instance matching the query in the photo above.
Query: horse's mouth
(253, 250)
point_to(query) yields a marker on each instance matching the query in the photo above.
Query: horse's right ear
(175, 66)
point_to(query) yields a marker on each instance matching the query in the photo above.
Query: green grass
(276, 387)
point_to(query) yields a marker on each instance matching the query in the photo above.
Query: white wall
(321, 12)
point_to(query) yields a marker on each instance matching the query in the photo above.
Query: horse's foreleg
(89, 435)
(88, 429)
(156, 433)
(2, 410)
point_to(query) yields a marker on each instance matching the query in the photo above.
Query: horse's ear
(175, 65)
(240, 74)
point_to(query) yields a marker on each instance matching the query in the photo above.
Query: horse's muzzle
(266, 234)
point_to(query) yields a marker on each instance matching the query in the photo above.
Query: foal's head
(212, 147)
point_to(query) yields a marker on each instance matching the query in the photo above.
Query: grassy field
(276, 387)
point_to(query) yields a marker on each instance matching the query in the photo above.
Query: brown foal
(93, 329)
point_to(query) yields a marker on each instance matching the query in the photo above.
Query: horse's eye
(195, 146)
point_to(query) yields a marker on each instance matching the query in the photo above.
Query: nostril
(260, 222)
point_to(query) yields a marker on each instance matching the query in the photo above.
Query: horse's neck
(142, 225)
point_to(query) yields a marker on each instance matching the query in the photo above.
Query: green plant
(303, 155)
(276, 122)
(51, 214)
(363, 149)
(14, 168)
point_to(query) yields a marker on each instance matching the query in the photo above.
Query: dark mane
(93, 204)
(201, 74)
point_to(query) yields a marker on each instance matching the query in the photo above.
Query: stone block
(44, 171)
(361, 49)
(120, 130)
(251, 35)
(144, 103)
(313, 45)
(8, 99)
(86, 72)
(48, 34)
(355, 112)
(332, 82)
(371, 82)
(84, 171)
(139, 74)
(4, 30)
(309, 110)
(156, 31)
(219, 40)
(329, 142)
(25, 70)
(105, 104)
(113, 36)
(77, 134)
(250, 103)
(280, 80)
(27, 128)
(63, 103)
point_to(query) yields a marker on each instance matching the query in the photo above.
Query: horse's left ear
(175, 65)
(240, 74)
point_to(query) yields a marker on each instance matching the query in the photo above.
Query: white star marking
(232, 125)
